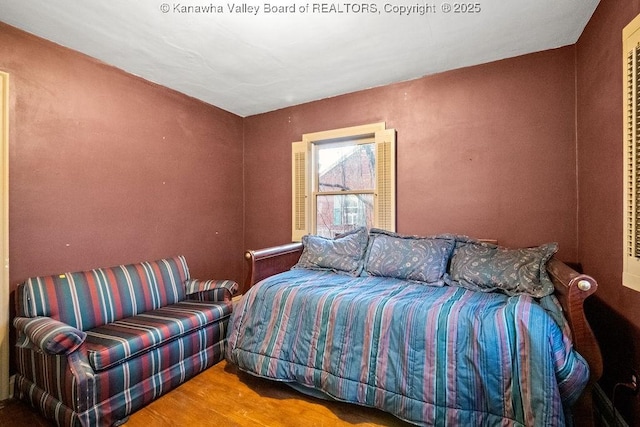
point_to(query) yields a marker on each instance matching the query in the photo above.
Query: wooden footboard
(571, 289)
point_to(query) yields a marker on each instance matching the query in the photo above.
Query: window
(343, 179)
(631, 82)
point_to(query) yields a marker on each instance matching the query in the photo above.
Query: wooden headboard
(267, 262)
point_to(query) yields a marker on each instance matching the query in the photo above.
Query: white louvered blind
(300, 210)
(631, 109)
(385, 200)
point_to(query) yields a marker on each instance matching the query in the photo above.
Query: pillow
(49, 335)
(486, 267)
(343, 254)
(420, 259)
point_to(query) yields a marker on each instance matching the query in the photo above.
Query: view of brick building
(350, 170)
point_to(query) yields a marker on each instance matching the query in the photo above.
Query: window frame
(305, 181)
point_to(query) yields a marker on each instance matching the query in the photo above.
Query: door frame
(4, 233)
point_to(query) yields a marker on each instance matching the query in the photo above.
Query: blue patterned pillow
(344, 254)
(421, 259)
(486, 267)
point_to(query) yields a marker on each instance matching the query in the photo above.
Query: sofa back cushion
(93, 298)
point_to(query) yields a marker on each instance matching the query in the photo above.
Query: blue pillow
(343, 254)
(487, 267)
(420, 259)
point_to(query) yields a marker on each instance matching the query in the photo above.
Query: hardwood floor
(18, 414)
(222, 396)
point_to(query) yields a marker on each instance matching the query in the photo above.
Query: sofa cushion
(121, 340)
(92, 298)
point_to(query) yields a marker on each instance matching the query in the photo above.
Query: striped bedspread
(428, 355)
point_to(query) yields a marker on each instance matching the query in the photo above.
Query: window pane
(349, 167)
(342, 213)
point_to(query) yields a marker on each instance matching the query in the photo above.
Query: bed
(431, 352)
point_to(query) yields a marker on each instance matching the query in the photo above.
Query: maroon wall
(616, 309)
(106, 168)
(487, 151)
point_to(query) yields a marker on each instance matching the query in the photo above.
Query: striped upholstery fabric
(93, 298)
(58, 377)
(48, 335)
(118, 341)
(158, 371)
(47, 404)
(211, 290)
(147, 377)
(95, 346)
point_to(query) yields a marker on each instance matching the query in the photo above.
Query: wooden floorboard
(222, 396)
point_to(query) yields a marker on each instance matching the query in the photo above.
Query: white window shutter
(300, 190)
(385, 197)
(631, 109)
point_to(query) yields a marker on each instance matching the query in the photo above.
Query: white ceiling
(249, 64)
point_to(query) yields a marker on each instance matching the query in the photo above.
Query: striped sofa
(93, 347)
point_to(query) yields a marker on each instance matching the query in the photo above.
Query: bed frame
(571, 289)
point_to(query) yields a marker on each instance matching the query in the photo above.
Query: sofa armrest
(48, 335)
(211, 290)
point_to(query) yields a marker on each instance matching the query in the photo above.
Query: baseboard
(603, 411)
